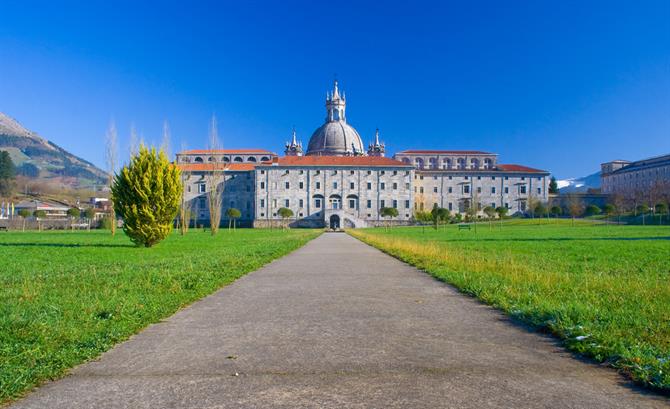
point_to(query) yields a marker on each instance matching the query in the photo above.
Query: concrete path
(338, 324)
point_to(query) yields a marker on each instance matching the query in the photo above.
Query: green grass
(604, 290)
(66, 297)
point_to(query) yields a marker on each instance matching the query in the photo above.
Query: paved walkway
(338, 324)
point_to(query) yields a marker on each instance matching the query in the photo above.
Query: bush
(556, 210)
(146, 194)
(592, 210)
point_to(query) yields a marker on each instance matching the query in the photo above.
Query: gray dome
(335, 138)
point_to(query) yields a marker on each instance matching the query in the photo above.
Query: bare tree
(575, 206)
(185, 208)
(215, 179)
(620, 203)
(133, 147)
(111, 152)
(165, 142)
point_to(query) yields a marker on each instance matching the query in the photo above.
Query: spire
(293, 148)
(376, 148)
(336, 92)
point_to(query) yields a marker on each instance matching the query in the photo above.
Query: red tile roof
(201, 167)
(439, 152)
(519, 168)
(364, 161)
(225, 151)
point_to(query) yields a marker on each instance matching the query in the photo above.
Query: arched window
(433, 163)
(265, 159)
(474, 163)
(198, 159)
(226, 159)
(211, 159)
(446, 163)
(251, 159)
(488, 163)
(238, 159)
(405, 160)
(419, 163)
(352, 202)
(461, 163)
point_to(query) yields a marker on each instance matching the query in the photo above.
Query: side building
(643, 181)
(457, 180)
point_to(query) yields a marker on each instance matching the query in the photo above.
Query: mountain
(40, 160)
(579, 185)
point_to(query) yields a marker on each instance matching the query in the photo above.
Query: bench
(463, 227)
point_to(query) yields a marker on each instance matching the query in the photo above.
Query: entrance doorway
(334, 222)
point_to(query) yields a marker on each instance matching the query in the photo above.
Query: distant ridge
(40, 159)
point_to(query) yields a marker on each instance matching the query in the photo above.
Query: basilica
(337, 182)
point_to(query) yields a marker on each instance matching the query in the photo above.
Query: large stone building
(337, 182)
(644, 181)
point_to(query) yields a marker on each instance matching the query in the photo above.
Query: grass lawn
(68, 296)
(605, 290)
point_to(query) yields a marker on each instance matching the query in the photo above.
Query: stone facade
(337, 184)
(646, 180)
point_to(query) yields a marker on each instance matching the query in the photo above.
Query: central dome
(335, 138)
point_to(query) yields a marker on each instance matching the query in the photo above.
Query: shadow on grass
(64, 245)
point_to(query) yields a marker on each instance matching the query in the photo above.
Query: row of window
(335, 203)
(466, 189)
(335, 172)
(435, 177)
(352, 185)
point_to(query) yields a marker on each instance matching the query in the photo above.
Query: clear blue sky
(558, 85)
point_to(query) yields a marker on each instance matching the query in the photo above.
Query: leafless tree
(134, 143)
(575, 206)
(215, 179)
(620, 204)
(165, 142)
(185, 208)
(111, 152)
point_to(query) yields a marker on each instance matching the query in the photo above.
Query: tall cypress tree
(7, 174)
(146, 194)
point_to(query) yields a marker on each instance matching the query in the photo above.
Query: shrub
(592, 210)
(556, 210)
(146, 194)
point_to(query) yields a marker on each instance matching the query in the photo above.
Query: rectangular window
(449, 189)
(493, 205)
(188, 188)
(317, 203)
(450, 177)
(493, 178)
(507, 205)
(352, 203)
(395, 186)
(479, 178)
(407, 186)
(479, 189)
(369, 172)
(435, 189)
(286, 203)
(493, 190)
(262, 172)
(539, 190)
(301, 172)
(202, 188)
(523, 178)
(287, 185)
(318, 185)
(382, 204)
(369, 186)
(451, 206)
(421, 189)
(383, 172)
(466, 188)
(506, 189)
(262, 202)
(274, 203)
(506, 177)
(467, 177)
(334, 185)
(301, 185)
(522, 189)
(352, 172)
(369, 204)
(395, 172)
(406, 204)
(351, 185)
(395, 204)
(300, 203)
(318, 172)
(382, 186)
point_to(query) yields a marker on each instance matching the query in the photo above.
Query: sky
(557, 85)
